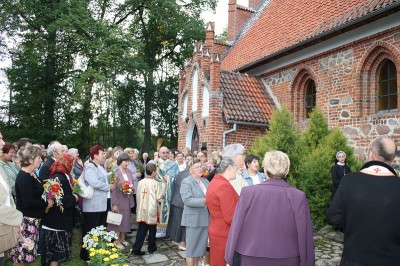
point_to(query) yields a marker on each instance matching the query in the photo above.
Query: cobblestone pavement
(328, 250)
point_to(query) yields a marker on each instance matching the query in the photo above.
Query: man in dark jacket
(54, 151)
(366, 207)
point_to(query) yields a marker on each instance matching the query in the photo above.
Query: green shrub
(282, 135)
(312, 155)
(314, 173)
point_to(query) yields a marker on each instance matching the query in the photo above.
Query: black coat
(337, 172)
(366, 207)
(55, 218)
(44, 171)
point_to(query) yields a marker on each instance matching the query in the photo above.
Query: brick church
(340, 56)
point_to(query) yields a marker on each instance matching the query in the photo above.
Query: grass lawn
(76, 247)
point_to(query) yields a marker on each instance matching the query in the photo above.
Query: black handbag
(78, 218)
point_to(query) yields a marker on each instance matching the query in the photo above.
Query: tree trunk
(148, 100)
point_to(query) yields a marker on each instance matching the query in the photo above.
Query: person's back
(371, 221)
(366, 206)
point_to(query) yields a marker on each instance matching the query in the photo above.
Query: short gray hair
(73, 150)
(277, 164)
(232, 150)
(52, 149)
(225, 162)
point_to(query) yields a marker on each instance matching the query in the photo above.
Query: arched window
(206, 102)
(310, 96)
(194, 90)
(185, 106)
(387, 87)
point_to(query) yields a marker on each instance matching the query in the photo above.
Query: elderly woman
(221, 201)
(272, 223)
(29, 190)
(57, 224)
(121, 202)
(9, 215)
(7, 166)
(78, 164)
(95, 209)
(195, 214)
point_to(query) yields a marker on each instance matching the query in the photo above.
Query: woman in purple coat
(272, 224)
(122, 202)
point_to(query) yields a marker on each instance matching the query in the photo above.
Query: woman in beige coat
(9, 215)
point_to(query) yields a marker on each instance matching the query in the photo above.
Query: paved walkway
(327, 251)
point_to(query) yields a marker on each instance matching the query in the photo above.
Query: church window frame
(386, 87)
(310, 97)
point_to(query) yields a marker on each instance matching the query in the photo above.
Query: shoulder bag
(8, 240)
(86, 190)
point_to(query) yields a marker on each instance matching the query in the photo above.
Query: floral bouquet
(112, 177)
(98, 242)
(76, 188)
(54, 191)
(207, 170)
(126, 187)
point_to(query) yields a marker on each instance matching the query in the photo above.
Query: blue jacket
(249, 181)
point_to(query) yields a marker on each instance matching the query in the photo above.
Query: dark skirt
(177, 232)
(57, 246)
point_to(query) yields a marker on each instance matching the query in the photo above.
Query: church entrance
(195, 140)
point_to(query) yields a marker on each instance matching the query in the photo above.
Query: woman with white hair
(272, 224)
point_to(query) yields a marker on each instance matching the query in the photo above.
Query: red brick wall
(346, 74)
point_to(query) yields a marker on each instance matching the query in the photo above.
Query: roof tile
(280, 24)
(245, 98)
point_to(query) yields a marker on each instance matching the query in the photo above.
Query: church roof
(245, 99)
(282, 24)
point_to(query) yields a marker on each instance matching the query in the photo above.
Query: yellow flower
(110, 244)
(106, 259)
(92, 254)
(95, 238)
(114, 249)
(45, 186)
(125, 265)
(84, 246)
(91, 249)
(114, 256)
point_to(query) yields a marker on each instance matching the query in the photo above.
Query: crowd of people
(200, 201)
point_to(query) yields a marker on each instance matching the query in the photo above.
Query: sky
(220, 16)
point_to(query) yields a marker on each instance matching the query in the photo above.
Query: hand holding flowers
(126, 187)
(53, 192)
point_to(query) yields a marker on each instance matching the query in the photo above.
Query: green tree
(167, 30)
(282, 135)
(315, 174)
(317, 129)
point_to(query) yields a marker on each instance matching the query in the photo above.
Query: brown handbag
(8, 240)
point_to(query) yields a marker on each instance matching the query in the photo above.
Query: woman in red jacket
(221, 201)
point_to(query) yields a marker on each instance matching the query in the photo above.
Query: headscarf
(63, 165)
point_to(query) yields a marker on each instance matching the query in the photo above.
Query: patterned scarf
(65, 166)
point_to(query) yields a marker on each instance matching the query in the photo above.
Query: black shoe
(151, 252)
(139, 253)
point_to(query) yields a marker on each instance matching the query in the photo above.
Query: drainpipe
(226, 133)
